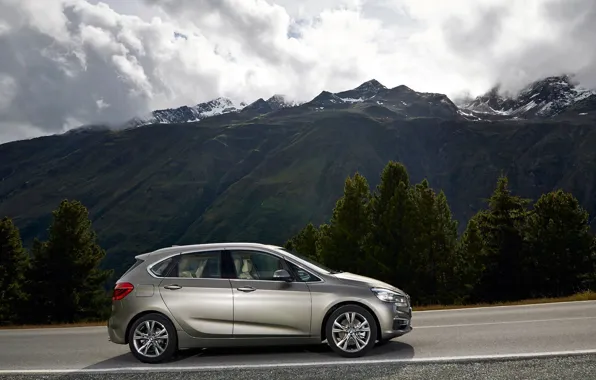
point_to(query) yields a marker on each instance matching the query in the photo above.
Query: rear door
(199, 295)
(263, 306)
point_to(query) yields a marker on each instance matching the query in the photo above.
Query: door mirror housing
(282, 275)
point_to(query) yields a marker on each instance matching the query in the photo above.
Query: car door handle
(172, 287)
(246, 289)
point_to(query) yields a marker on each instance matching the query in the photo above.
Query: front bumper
(394, 321)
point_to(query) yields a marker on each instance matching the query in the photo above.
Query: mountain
(262, 172)
(366, 90)
(215, 107)
(277, 102)
(188, 114)
(379, 100)
(546, 98)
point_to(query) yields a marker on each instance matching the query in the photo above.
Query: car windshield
(309, 261)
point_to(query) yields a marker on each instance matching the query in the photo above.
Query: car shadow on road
(223, 357)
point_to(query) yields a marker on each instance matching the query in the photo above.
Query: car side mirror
(282, 275)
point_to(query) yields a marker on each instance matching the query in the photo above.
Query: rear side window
(198, 265)
(161, 269)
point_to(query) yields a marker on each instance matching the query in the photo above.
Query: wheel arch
(346, 303)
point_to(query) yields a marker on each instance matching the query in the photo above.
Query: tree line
(404, 234)
(400, 233)
(59, 280)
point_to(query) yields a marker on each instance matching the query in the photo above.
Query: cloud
(70, 62)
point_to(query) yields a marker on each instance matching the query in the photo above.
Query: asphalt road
(556, 368)
(440, 340)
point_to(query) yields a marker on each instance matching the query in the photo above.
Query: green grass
(584, 296)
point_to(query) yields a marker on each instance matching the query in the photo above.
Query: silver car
(245, 294)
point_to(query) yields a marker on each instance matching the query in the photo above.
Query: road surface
(546, 334)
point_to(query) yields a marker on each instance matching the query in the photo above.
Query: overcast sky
(64, 63)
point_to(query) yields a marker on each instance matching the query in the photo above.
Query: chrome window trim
(150, 266)
(267, 250)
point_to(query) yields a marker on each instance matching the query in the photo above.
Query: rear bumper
(116, 333)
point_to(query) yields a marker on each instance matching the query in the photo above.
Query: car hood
(357, 279)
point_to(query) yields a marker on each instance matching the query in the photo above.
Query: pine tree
(505, 276)
(305, 242)
(14, 262)
(341, 242)
(445, 250)
(389, 242)
(67, 280)
(559, 246)
(470, 260)
(433, 254)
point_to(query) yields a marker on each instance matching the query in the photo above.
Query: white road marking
(503, 306)
(158, 368)
(503, 322)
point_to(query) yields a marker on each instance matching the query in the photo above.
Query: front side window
(198, 265)
(303, 275)
(255, 265)
(309, 261)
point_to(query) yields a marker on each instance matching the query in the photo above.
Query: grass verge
(584, 296)
(57, 325)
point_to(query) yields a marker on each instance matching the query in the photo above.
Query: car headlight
(387, 295)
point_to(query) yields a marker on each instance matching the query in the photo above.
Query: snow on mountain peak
(279, 101)
(363, 92)
(187, 114)
(544, 98)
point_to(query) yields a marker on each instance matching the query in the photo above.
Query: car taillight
(121, 290)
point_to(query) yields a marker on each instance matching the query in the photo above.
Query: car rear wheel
(351, 331)
(152, 338)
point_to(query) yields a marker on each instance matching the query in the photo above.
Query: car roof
(178, 248)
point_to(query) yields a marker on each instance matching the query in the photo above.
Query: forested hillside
(262, 175)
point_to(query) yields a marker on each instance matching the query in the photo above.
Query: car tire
(355, 340)
(147, 341)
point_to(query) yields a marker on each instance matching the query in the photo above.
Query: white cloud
(77, 61)
(101, 104)
(8, 89)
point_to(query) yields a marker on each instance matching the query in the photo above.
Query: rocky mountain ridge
(546, 98)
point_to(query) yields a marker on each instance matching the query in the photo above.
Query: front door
(198, 296)
(264, 306)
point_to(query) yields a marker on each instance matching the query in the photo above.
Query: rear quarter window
(162, 268)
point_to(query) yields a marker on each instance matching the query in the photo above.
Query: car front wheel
(351, 331)
(152, 338)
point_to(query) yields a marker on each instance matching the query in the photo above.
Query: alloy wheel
(151, 338)
(351, 332)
